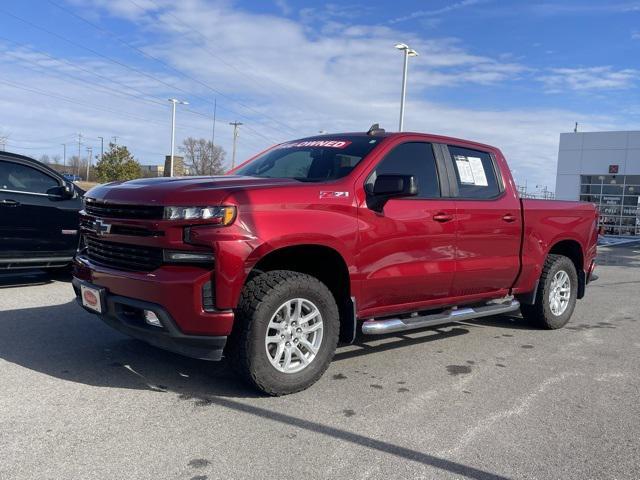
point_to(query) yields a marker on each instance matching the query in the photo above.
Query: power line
(191, 29)
(71, 100)
(166, 65)
(118, 92)
(109, 59)
(46, 140)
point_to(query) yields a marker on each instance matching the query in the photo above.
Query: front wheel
(286, 331)
(556, 296)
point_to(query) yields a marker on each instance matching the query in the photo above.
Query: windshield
(315, 159)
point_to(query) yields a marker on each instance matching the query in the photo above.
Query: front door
(406, 254)
(34, 222)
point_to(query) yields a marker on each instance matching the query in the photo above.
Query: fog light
(178, 256)
(152, 319)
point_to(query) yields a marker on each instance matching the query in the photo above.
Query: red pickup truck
(315, 240)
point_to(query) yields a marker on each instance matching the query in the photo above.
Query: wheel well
(572, 250)
(324, 263)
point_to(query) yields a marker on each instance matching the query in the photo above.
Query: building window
(618, 200)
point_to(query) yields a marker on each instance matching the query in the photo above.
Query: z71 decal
(324, 194)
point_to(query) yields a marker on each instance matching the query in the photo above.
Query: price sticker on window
(471, 171)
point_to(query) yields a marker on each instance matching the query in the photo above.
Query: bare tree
(203, 157)
(3, 140)
(56, 159)
(45, 159)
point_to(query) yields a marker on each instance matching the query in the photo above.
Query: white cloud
(437, 11)
(590, 79)
(635, 35)
(284, 68)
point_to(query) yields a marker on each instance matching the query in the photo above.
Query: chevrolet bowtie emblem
(101, 228)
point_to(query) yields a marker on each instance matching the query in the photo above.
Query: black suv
(38, 214)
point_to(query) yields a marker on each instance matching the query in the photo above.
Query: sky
(514, 74)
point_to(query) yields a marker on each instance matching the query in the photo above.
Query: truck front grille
(116, 210)
(122, 256)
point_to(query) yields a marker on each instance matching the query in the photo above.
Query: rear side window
(20, 178)
(475, 173)
(412, 158)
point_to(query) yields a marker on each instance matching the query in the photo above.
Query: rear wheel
(286, 331)
(556, 296)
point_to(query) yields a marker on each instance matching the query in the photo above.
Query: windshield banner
(317, 144)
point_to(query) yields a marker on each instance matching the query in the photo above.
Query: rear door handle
(442, 217)
(509, 218)
(9, 203)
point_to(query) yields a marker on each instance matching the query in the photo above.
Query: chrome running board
(379, 327)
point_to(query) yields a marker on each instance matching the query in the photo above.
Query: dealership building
(603, 168)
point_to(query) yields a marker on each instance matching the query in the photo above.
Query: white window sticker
(480, 178)
(464, 170)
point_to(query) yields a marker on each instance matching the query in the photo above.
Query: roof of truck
(383, 134)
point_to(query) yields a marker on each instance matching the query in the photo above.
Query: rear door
(34, 221)
(488, 224)
(406, 253)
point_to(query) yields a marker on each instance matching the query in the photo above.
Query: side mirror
(62, 192)
(387, 187)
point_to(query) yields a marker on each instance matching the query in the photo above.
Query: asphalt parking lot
(488, 399)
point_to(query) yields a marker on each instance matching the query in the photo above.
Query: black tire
(260, 300)
(540, 312)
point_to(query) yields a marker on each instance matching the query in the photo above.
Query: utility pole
(115, 140)
(101, 147)
(408, 52)
(90, 151)
(79, 154)
(235, 140)
(64, 155)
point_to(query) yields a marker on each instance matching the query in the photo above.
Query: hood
(181, 190)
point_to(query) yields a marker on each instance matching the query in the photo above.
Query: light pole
(235, 139)
(408, 52)
(174, 102)
(79, 154)
(64, 155)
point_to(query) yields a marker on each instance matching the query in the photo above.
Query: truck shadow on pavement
(25, 278)
(65, 342)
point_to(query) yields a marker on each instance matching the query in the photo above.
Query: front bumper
(127, 316)
(178, 289)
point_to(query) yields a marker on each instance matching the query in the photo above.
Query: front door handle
(442, 217)
(9, 203)
(509, 218)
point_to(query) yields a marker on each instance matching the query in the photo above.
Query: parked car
(320, 238)
(71, 177)
(39, 215)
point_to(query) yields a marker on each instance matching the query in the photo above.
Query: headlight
(217, 215)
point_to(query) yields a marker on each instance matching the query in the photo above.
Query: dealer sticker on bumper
(91, 298)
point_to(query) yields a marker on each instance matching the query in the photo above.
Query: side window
(412, 158)
(475, 173)
(21, 178)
